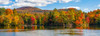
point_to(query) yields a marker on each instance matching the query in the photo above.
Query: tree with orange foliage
(1, 19)
(77, 22)
(9, 11)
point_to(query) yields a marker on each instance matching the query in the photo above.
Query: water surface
(48, 31)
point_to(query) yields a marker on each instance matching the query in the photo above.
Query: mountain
(28, 7)
(68, 9)
(30, 10)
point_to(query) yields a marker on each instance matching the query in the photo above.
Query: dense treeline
(70, 17)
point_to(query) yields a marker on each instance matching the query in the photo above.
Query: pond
(48, 31)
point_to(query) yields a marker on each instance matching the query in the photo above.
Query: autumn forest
(74, 17)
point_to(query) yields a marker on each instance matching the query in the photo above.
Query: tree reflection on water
(46, 31)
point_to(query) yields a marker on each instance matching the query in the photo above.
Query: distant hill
(29, 9)
(67, 9)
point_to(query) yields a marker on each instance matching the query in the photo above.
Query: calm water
(49, 31)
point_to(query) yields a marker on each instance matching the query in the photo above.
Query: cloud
(5, 1)
(99, 5)
(86, 10)
(65, 1)
(72, 7)
(5, 6)
(77, 0)
(33, 3)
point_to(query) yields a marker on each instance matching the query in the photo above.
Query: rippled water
(49, 31)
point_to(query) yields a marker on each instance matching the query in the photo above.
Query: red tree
(32, 20)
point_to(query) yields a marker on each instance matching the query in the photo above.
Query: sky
(84, 5)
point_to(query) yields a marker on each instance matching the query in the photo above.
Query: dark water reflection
(48, 31)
